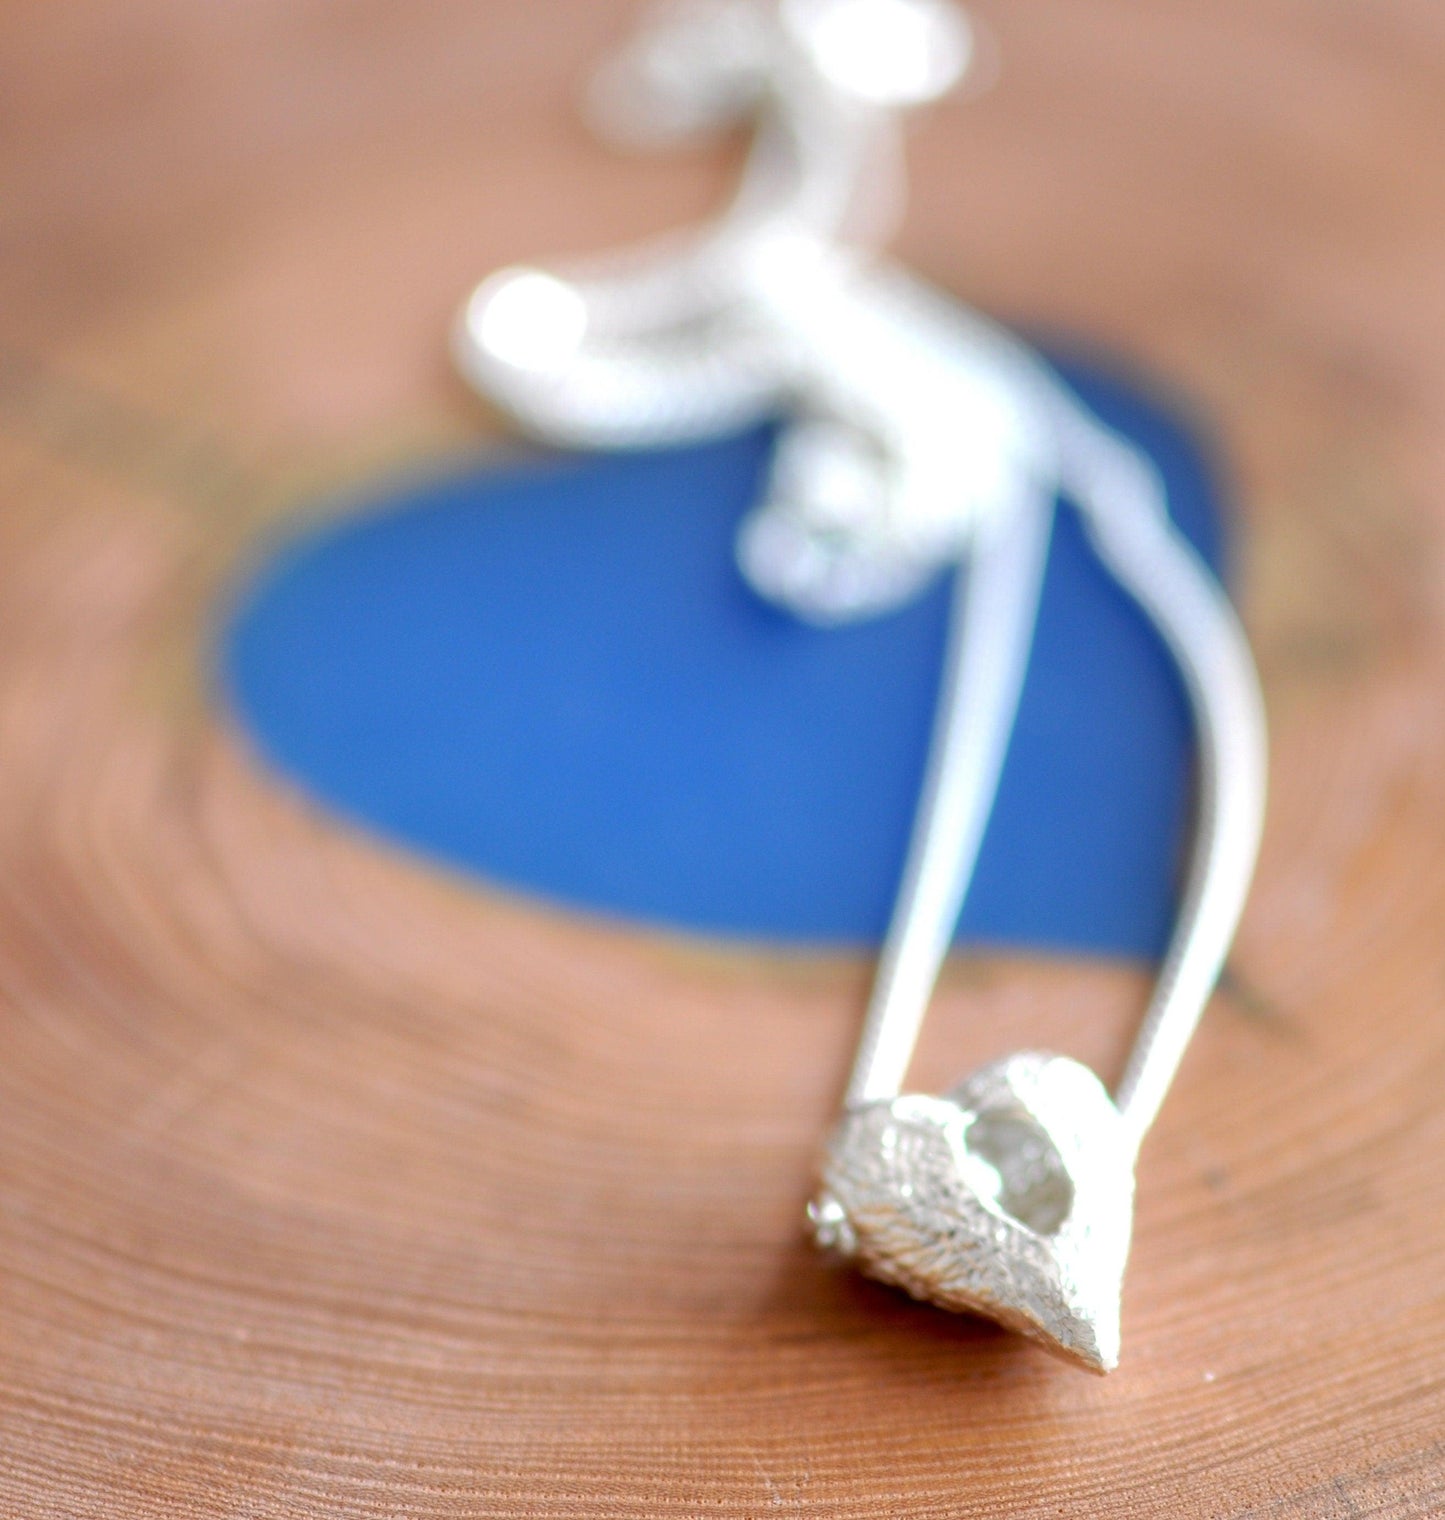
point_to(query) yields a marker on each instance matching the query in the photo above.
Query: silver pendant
(918, 435)
(1012, 1196)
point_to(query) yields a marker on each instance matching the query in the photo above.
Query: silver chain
(919, 436)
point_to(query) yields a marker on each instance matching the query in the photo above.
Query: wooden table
(333, 1187)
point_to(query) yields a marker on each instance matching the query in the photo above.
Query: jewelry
(919, 436)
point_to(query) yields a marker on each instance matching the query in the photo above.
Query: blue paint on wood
(552, 676)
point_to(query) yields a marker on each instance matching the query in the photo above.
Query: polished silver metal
(918, 436)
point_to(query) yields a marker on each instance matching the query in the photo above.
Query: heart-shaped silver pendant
(1011, 1197)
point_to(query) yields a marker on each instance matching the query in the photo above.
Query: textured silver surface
(1012, 1197)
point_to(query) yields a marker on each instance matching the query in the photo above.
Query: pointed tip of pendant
(1098, 1362)
(1087, 1343)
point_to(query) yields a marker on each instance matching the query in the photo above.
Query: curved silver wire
(995, 604)
(1123, 507)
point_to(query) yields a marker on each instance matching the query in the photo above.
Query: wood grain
(333, 1187)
